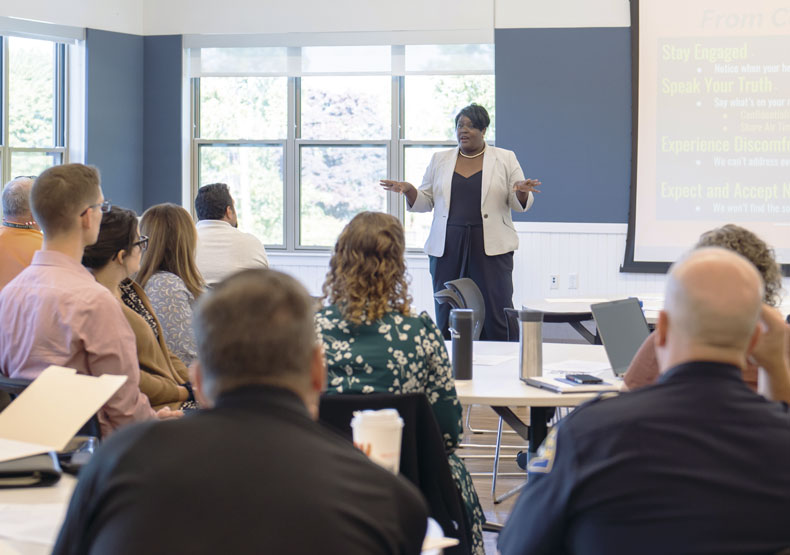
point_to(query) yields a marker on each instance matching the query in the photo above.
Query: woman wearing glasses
(113, 259)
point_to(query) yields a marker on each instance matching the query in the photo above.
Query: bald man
(20, 236)
(696, 463)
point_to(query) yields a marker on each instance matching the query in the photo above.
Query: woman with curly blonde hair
(375, 344)
(644, 368)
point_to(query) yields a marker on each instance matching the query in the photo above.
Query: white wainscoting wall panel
(594, 252)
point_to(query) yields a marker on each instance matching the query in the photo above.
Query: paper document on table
(34, 523)
(561, 385)
(11, 449)
(491, 360)
(575, 300)
(601, 370)
(52, 409)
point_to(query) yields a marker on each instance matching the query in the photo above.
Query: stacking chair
(471, 297)
(468, 295)
(448, 296)
(423, 460)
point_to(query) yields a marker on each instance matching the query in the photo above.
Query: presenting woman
(472, 190)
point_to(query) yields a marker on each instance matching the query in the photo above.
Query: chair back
(448, 296)
(423, 459)
(12, 387)
(472, 298)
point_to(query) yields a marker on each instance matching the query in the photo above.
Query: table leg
(535, 433)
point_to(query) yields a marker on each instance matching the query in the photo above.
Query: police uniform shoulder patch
(543, 461)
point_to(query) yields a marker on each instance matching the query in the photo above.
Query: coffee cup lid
(377, 416)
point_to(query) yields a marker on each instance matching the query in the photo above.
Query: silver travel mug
(461, 323)
(530, 357)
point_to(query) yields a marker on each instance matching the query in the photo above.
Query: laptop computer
(622, 328)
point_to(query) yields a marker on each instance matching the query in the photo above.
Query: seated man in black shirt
(698, 462)
(255, 473)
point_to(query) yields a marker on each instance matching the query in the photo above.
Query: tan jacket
(161, 372)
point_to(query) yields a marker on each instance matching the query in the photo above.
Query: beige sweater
(161, 372)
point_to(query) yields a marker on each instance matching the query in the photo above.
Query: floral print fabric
(401, 354)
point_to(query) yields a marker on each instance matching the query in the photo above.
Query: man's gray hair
(16, 197)
(255, 327)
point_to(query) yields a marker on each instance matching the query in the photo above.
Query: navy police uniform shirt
(697, 463)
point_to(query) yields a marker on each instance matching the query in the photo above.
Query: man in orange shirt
(20, 236)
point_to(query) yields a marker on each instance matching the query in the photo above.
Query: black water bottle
(461, 325)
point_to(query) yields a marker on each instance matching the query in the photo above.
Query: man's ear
(662, 328)
(198, 386)
(758, 331)
(85, 220)
(229, 211)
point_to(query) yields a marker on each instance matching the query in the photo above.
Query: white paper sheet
(558, 369)
(575, 300)
(52, 409)
(11, 449)
(490, 360)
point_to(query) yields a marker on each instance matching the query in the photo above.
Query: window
(34, 118)
(303, 135)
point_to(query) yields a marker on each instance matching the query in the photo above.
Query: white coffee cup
(378, 433)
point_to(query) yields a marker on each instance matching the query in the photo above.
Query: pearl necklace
(473, 155)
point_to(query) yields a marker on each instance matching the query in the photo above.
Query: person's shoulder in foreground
(629, 474)
(255, 473)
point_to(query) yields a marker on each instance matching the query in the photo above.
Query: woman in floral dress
(375, 344)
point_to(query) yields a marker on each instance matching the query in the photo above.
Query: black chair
(448, 296)
(14, 386)
(423, 459)
(470, 294)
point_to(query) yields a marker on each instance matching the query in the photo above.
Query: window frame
(395, 144)
(60, 109)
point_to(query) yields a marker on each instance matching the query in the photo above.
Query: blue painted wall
(114, 114)
(563, 98)
(563, 101)
(162, 120)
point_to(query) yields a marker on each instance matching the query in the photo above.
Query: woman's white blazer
(500, 171)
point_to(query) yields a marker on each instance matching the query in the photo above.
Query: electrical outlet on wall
(573, 281)
(555, 281)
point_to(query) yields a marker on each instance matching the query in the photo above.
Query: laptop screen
(622, 327)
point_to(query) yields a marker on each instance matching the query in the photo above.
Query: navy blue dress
(465, 256)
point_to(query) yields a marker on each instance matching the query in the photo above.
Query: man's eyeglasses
(142, 242)
(105, 207)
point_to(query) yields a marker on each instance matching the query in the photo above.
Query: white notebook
(561, 385)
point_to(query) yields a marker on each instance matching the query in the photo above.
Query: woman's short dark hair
(476, 114)
(212, 201)
(118, 232)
